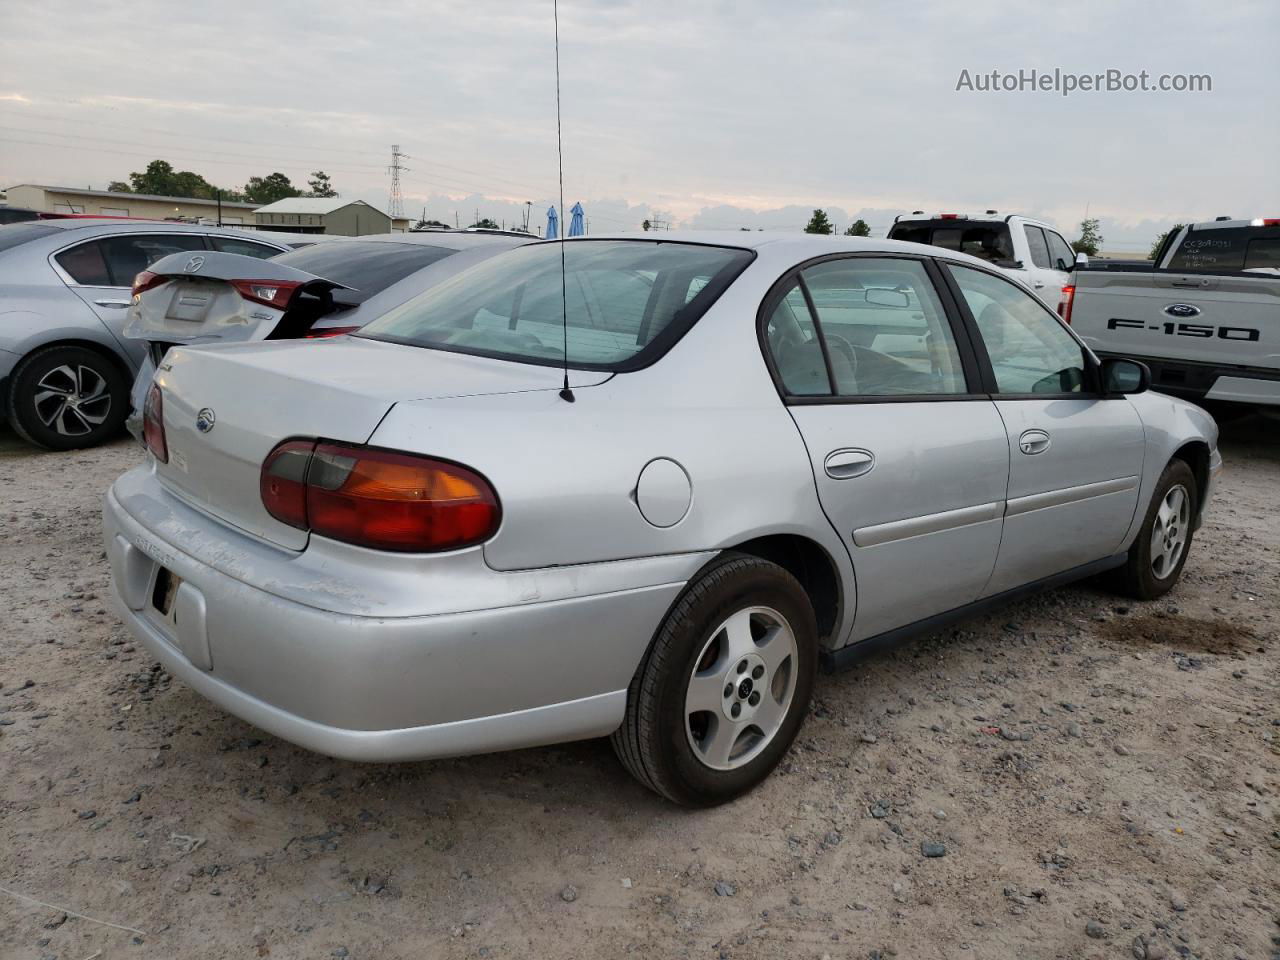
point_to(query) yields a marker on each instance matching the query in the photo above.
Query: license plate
(165, 590)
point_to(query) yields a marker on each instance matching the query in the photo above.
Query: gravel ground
(1101, 779)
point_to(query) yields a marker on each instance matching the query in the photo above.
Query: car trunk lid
(254, 395)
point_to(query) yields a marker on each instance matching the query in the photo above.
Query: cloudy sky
(708, 114)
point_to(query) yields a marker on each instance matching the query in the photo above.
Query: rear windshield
(366, 267)
(16, 234)
(620, 304)
(1228, 249)
(986, 241)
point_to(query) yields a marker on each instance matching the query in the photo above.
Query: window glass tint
(1030, 350)
(1220, 248)
(1036, 242)
(1263, 253)
(1060, 251)
(246, 248)
(623, 301)
(86, 264)
(128, 256)
(794, 346)
(367, 267)
(987, 241)
(885, 330)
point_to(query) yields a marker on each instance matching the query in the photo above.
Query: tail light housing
(269, 293)
(382, 499)
(146, 280)
(328, 332)
(153, 424)
(1067, 301)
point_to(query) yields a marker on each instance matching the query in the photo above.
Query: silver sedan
(645, 497)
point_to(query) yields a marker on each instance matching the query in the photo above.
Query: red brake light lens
(1065, 304)
(378, 498)
(270, 293)
(327, 332)
(283, 482)
(146, 280)
(153, 424)
(948, 216)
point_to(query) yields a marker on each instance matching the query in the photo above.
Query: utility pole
(395, 205)
(528, 209)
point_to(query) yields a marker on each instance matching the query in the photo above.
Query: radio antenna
(565, 392)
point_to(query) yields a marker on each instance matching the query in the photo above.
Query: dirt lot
(1104, 777)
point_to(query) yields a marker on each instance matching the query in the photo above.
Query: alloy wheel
(72, 399)
(741, 687)
(1169, 532)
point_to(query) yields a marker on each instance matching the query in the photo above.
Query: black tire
(653, 743)
(39, 417)
(1138, 578)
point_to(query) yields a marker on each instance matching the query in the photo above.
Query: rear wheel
(65, 398)
(725, 685)
(1160, 551)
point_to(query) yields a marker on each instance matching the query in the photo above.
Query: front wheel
(725, 685)
(1160, 551)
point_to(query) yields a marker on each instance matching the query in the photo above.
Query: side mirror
(1121, 377)
(1082, 259)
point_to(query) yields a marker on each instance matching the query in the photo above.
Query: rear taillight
(153, 425)
(378, 498)
(1068, 298)
(271, 293)
(146, 280)
(283, 482)
(326, 332)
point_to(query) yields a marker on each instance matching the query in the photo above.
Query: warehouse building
(105, 203)
(332, 215)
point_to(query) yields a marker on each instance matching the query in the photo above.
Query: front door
(911, 463)
(1075, 457)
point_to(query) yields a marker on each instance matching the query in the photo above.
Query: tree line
(161, 179)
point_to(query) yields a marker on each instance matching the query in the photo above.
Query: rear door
(911, 461)
(101, 273)
(1042, 276)
(1075, 456)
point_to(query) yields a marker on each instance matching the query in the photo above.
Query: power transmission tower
(395, 205)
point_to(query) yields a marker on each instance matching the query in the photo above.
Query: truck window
(1060, 251)
(1217, 249)
(1262, 253)
(987, 241)
(1039, 247)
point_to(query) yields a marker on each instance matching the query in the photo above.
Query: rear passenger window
(85, 264)
(246, 248)
(880, 329)
(1039, 247)
(1263, 253)
(128, 256)
(795, 348)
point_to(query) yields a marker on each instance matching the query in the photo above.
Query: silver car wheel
(1169, 532)
(72, 400)
(741, 688)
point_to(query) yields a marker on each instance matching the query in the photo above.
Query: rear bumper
(1207, 381)
(526, 672)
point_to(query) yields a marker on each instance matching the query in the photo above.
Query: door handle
(847, 463)
(1038, 284)
(114, 304)
(1033, 441)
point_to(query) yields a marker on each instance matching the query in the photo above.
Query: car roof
(793, 247)
(449, 240)
(117, 223)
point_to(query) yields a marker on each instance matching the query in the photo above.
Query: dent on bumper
(391, 688)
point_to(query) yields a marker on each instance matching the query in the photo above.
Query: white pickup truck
(1204, 316)
(1030, 251)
